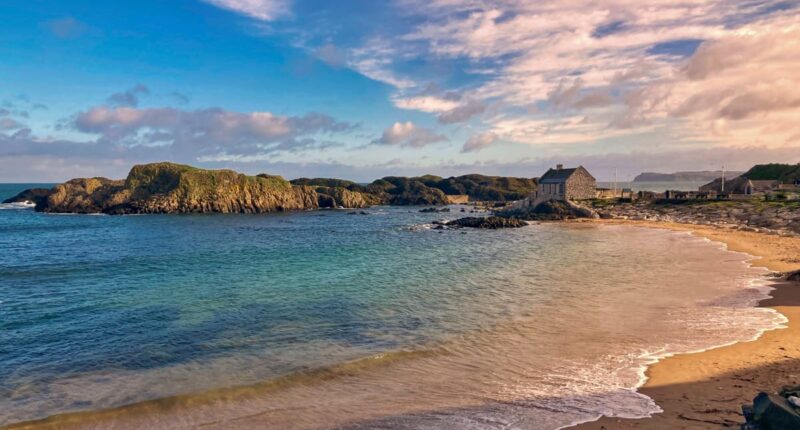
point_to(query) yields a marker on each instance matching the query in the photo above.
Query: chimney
(559, 166)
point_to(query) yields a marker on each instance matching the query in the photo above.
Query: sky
(365, 89)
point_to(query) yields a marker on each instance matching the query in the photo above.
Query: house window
(561, 189)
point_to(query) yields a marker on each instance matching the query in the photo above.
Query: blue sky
(363, 89)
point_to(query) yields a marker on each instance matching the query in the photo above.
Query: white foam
(759, 283)
(17, 205)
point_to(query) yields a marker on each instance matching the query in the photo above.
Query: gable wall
(581, 186)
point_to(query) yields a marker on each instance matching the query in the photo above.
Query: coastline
(700, 411)
(705, 390)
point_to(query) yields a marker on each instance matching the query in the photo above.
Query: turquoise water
(373, 320)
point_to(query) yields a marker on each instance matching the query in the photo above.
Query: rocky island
(176, 188)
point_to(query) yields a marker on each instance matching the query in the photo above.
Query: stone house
(566, 184)
(760, 186)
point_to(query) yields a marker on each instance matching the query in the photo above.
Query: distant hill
(774, 172)
(705, 175)
(786, 173)
(431, 189)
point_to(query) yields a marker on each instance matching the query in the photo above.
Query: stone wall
(581, 185)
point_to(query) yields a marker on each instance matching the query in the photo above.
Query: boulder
(771, 412)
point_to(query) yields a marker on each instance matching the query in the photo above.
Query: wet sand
(706, 390)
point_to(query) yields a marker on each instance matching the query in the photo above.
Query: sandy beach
(706, 390)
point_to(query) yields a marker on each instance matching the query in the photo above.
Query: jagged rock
(84, 195)
(34, 195)
(332, 197)
(793, 276)
(492, 222)
(434, 210)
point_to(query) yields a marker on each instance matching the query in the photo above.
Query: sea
(336, 319)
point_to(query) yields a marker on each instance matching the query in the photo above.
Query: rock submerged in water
(492, 222)
(434, 210)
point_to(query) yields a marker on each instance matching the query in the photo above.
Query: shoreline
(655, 382)
(706, 389)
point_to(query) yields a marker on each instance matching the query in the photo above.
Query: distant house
(566, 184)
(759, 186)
(615, 193)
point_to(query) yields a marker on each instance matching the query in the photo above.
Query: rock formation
(552, 210)
(491, 222)
(175, 188)
(33, 195)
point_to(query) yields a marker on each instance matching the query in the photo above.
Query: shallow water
(326, 319)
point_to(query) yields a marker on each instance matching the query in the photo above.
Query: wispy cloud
(408, 134)
(66, 28)
(263, 10)
(129, 97)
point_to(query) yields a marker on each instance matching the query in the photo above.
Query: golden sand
(706, 390)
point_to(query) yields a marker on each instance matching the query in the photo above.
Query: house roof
(560, 175)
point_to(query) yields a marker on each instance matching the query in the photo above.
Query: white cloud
(425, 103)
(206, 131)
(479, 141)
(625, 63)
(263, 10)
(408, 134)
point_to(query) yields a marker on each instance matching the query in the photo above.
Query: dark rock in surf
(553, 210)
(492, 222)
(34, 195)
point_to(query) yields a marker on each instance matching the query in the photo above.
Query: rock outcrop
(334, 197)
(175, 188)
(33, 195)
(491, 222)
(782, 218)
(773, 411)
(552, 210)
(85, 195)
